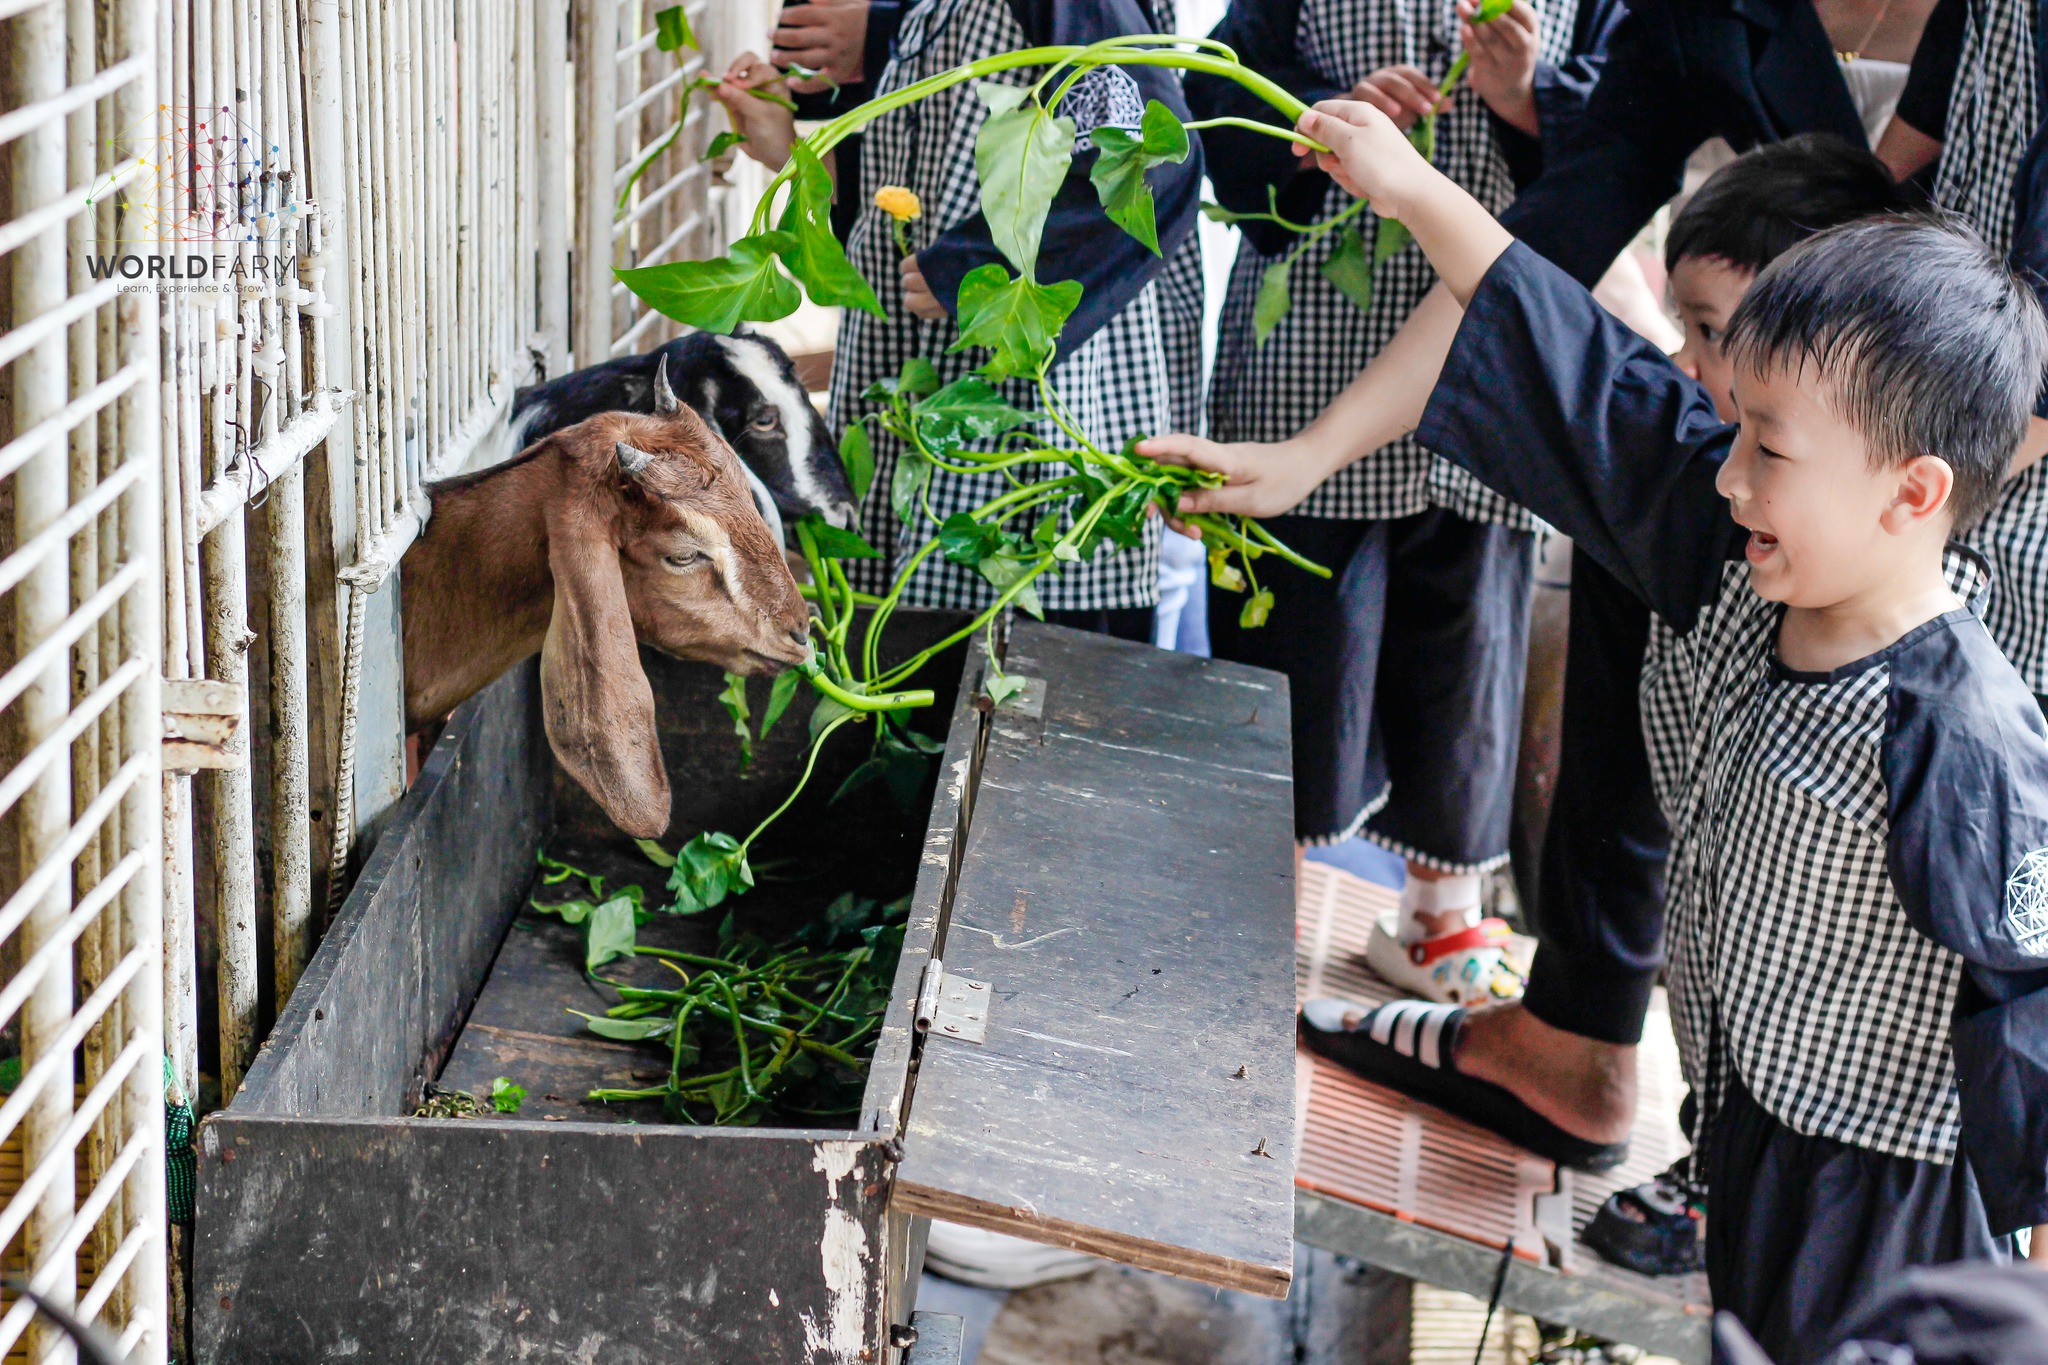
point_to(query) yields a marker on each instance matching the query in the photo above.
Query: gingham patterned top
(1857, 897)
(1991, 118)
(1791, 957)
(1268, 393)
(1115, 383)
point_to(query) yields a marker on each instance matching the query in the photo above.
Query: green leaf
(857, 453)
(734, 700)
(812, 253)
(906, 487)
(721, 144)
(919, 377)
(1121, 163)
(658, 855)
(1490, 10)
(608, 933)
(799, 72)
(1018, 320)
(1021, 156)
(1256, 609)
(1349, 269)
(1387, 242)
(964, 540)
(1273, 299)
(825, 713)
(569, 912)
(672, 30)
(708, 869)
(1216, 213)
(1003, 686)
(1002, 570)
(779, 698)
(1223, 573)
(966, 410)
(507, 1097)
(837, 541)
(719, 294)
(627, 1030)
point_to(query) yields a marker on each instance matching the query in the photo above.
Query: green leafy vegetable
(906, 487)
(734, 700)
(1273, 299)
(857, 453)
(709, 868)
(719, 294)
(608, 933)
(1349, 269)
(1017, 320)
(1121, 163)
(672, 30)
(722, 143)
(658, 855)
(837, 541)
(966, 410)
(626, 1030)
(1021, 155)
(779, 697)
(1256, 609)
(811, 252)
(1002, 686)
(507, 1097)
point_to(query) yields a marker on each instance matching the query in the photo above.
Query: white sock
(1452, 901)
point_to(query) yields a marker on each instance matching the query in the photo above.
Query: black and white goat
(744, 386)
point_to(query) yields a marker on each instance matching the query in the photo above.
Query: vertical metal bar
(41, 602)
(231, 832)
(597, 74)
(551, 189)
(291, 792)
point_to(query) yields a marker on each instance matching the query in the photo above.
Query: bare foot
(1586, 1087)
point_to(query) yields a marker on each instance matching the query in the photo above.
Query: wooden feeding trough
(1109, 852)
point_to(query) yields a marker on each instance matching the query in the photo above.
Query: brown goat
(624, 527)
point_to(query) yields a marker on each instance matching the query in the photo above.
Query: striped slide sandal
(1407, 1045)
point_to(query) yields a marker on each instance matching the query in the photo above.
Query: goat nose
(801, 634)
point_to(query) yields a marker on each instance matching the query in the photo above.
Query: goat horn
(633, 460)
(665, 401)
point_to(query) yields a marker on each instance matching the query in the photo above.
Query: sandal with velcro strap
(1408, 1045)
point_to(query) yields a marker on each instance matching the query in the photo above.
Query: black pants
(1405, 674)
(1803, 1231)
(1119, 623)
(1600, 896)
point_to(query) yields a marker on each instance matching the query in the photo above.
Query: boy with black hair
(1857, 780)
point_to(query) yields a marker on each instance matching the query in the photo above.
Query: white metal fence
(205, 483)
(79, 905)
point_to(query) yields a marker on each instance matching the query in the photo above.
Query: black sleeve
(2030, 229)
(1555, 404)
(1924, 103)
(1563, 89)
(1623, 159)
(1243, 165)
(1079, 241)
(1966, 785)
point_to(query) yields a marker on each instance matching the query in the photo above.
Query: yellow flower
(898, 202)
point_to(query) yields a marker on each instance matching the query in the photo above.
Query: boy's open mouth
(1760, 546)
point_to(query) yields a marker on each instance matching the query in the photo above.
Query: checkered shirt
(1115, 384)
(1991, 118)
(1270, 392)
(1791, 958)
(1181, 288)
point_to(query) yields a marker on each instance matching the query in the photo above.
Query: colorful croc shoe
(1653, 1229)
(1470, 967)
(1408, 1045)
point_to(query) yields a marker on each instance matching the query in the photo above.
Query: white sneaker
(1475, 966)
(994, 1260)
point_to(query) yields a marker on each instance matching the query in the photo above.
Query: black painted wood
(406, 1240)
(1128, 889)
(382, 999)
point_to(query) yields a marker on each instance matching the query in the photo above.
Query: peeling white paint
(959, 782)
(774, 1299)
(844, 1249)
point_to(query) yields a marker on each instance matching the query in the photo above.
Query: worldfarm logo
(203, 203)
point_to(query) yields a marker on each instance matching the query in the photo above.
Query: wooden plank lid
(1127, 894)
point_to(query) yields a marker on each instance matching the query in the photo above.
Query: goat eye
(767, 421)
(687, 559)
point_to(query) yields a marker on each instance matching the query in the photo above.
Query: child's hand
(1402, 93)
(770, 129)
(1368, 155)
(917, 295)
(1264, 479)
(827, 36)
(1504, 53)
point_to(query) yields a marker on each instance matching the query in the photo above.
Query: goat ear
(665, 401)
(632, 460)
(595, 698)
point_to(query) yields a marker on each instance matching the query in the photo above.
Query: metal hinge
(202, 724)
(952, 1005)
